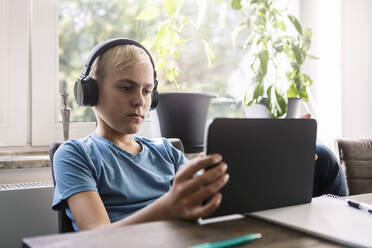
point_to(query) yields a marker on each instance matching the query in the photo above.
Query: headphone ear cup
(86, 92)
(79, 92)
(154, 98)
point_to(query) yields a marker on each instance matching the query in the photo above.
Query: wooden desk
(183, 234)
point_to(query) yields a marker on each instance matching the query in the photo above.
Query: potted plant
(277, 47)
(181, 115)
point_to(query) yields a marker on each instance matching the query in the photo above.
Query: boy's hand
(186, 197)
(305, 116)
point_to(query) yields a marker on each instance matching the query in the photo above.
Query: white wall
(356, 64)
(26, 213)
(324, 18)
(342, 38)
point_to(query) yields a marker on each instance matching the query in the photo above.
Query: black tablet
(271, 162)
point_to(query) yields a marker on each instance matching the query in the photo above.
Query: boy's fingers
(306, 116)
(198, 164)
(209, 208)
(206, 192)
(206, 179)
(211, 175)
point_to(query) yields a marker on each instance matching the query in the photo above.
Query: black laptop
(271, 162)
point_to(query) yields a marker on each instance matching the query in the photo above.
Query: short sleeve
(73, 173)
(176, 155)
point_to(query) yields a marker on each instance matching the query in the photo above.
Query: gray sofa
(356, 158)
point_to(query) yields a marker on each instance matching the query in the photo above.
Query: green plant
(165, 42)
(276, 43)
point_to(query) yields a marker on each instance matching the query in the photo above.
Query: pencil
(230, 242)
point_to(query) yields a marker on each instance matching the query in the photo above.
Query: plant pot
(183, 116)
(259, 110)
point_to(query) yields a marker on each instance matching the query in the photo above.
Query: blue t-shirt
(125, 182)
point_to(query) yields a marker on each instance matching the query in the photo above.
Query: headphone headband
(104, 46)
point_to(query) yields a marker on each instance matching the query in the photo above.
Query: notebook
(326, 217)
(271, 162)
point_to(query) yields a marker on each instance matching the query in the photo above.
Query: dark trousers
(329, 178)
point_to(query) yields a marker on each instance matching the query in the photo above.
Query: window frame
(14, 70)
(46, 127)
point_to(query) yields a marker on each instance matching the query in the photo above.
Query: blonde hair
(121, 57)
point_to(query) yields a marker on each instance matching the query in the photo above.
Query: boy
(113, 178)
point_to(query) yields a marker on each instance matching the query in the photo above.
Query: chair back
(64, 222)
(356, 157)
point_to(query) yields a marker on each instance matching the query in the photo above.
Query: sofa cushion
(356, 157)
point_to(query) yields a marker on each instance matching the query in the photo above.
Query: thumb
(306, 116)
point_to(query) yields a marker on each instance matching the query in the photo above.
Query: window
(47, 41)
(82, 25)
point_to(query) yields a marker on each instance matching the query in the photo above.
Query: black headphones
(86, 88)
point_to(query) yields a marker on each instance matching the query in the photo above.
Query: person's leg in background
(329, 177)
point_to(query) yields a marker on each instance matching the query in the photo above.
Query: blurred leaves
(254, 95)
(171, 6)
(209, 52)
(170, 37)
(236, 31)
(277, 45)
(148, 13)
(277, 103)
(263, 57)
(295, 23)
(236, 4)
